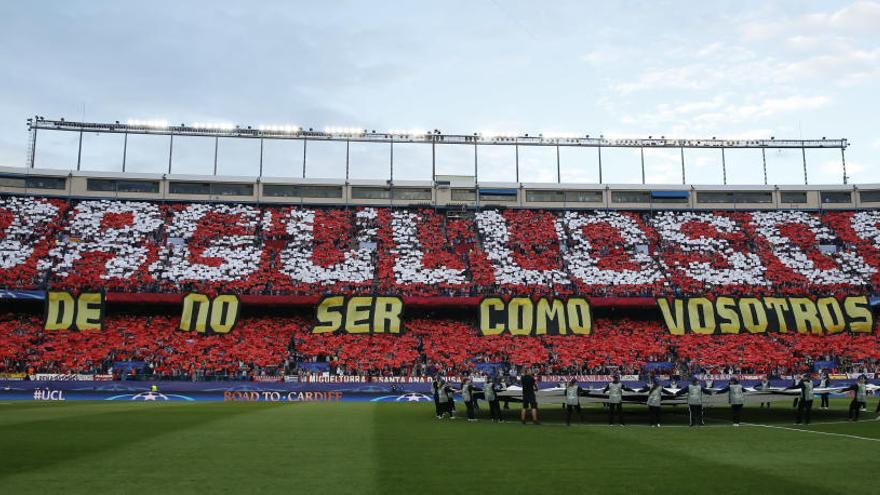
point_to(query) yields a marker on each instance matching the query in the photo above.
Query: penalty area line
(827, 433)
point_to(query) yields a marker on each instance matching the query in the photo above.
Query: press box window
(132, 186)
(18, 182)
(232, 189)
(734, 197)
(286, 190)
(836, 197)
(45, 182)
(190, 188)
(870, 196)
(463, 195)
(793, 197)
(411, 194)
(370, 193)
(630, 197)
(497, 194)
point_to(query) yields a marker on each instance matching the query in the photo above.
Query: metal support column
(124, 150)
(600, 164)
(558, 167)
(433, 160)
(804, 156)
(642, 152)
(33, 156)
(843, 162)
(170, 151)
(476, 166)
(683, 180)
(723, 167)
(261, 157)
(305, 148)
(80, 151)
(516, 150)
(391, 163)
(216, 147)
(764, 161)
(347, 151)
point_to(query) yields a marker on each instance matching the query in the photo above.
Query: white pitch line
(828, 433)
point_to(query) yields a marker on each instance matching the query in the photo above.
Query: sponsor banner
(103, 378)
(13, 376)
(723, 377)
(268, 379)
(733, 315)
(58, 377)
(586, 378)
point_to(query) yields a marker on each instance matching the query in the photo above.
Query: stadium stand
(148, 247)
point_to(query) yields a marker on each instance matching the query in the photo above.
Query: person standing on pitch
(805, 399)
(615, 400)
(467, 396)
(655, 396)
(694, 393)
(450, 395)
(443, 399)
(572, 400)
(490, 394)
(764, 386)
(529, 396)
(736, 398)
(824, 382)
(860, 397)
(435, 386)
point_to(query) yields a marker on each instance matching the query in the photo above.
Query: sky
(788, 69)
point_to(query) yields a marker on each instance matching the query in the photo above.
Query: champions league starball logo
(150, 396)
(409, 397)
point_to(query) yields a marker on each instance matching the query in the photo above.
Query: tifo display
(377, 291)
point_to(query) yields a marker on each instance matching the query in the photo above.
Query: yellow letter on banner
(580, 321)
(832, 315)
(861, 320)
(224, 313)
(89, 311)
(60, 309)
(729, 319)
(519, 316)
(386, 316)
(357, 316)
(488, 307)
(754, 316)
(674, 322)
(329, 315)
(806, 319)
(701, 315)
(550, 311)
(195, 312)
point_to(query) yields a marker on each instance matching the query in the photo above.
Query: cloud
(858, 17)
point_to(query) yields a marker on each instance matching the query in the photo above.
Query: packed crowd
(139, 246)
(279, 346)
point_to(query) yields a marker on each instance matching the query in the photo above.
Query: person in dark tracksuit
(860, 397)
(736, 398)
(615, 400)
(572, 400)
(467, 396)
(435, 386)
(796, 382)
(490, 393)
(824, 382)
(450, 395)
(805, 399)
(655, 397)
(529, 396)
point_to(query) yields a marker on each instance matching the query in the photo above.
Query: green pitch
(210, 448)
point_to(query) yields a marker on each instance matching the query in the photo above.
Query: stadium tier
(139, 246)
(438, 260)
